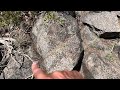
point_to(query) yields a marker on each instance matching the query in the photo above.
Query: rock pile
(62, 40)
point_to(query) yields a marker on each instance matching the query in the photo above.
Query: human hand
(40, 74)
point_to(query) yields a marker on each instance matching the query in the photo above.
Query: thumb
(37, 72)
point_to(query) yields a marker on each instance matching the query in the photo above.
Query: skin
(40, 74)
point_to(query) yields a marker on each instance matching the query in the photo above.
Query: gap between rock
(78, 65)
(104, 35)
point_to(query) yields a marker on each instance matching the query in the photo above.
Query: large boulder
(57, 40)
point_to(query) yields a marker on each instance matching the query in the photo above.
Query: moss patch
(9, 17)
(109, 57)
(52, 16)
(16, 17)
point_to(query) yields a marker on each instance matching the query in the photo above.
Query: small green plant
(14, 17)
(9, 17)
(51, 16)
(109, 56)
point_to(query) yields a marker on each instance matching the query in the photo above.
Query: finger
(37, 72)
(77, 75)
(70, 74)
(57, 75)
(66, 75)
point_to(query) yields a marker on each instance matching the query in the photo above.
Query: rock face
(101, 56)
(61, 39)
(56, 45)
(58, 41)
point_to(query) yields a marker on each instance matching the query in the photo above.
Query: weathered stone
(101, 52)
(57, 41)
(105, 21)
(100, 61)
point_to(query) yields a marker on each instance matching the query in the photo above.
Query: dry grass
(8, 53)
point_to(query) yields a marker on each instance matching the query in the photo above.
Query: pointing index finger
(37, 72)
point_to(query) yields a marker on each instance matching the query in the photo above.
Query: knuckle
(35, 71)
(56, 73)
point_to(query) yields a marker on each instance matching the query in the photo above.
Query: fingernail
(35, 62)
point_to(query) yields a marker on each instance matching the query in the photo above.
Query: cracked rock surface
(101, 58)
